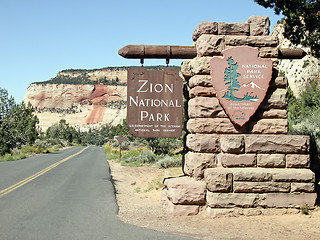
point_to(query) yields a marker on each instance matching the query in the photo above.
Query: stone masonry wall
(231, 170)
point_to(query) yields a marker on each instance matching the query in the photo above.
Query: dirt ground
(139, 194)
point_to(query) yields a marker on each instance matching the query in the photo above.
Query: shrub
(125, 145)
(7, 157)
(167, 161)
(115, 144)
(305, 209)
(139, 142)
(19, 156)
(107, 149)
(52, 149)
(111, 152)
(147, 157)
(50, 143)
(131, 155)
(31, 150)
(138, 157)
(163, 146)
(15, 151)
(303, 118)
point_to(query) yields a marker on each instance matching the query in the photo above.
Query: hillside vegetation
(82, 76)
(303, 118)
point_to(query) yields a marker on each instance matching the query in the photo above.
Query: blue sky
(39, 38)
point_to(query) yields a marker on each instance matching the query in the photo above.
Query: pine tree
(230, 79)
(18, 124)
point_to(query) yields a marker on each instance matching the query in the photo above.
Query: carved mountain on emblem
(252, 85)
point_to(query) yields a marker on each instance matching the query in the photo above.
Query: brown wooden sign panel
(154, 102)
(120, 139)
(241, 80)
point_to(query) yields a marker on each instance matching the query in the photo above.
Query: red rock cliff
(80, 105)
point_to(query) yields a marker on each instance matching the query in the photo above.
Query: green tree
(6, 103)
(93, 137)
(18, 124)
(230, 78)
(302, 22)
(63, 130)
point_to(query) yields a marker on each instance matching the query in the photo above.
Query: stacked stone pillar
(231, 170)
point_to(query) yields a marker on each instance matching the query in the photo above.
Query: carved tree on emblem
(230, 79)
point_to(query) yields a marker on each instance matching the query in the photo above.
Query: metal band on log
(186, 52)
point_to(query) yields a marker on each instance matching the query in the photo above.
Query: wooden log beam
(291, 53)
(186, 52)
(158, 51)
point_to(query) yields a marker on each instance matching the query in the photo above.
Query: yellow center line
(34, 176)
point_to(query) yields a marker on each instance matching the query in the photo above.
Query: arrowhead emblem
(241, 80)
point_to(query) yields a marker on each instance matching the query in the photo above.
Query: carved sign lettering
(154, 102)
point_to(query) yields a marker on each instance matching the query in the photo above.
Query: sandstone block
(205, 107)
(302, 187)
(218, 179)
(179, 210)
(269, 126)
(298, 161)
(219, 212)
(229, 200)
(268, 52)
(288, 199)
(259, 25)
(200, 80)
(196, 163)
(260, 187)
(233, 28)
(232, 143)
(271, 113)
(183, 210)
(292, 175)
(279, 82)
(251, 174)
(247, 212)
(209, 45)
(277, 143)
(232, 212)
(200, 65)
(271, 160)
(185, 190)
(276, 98)
(238, 160)
(185, 69)
(279, 211)
(253, 41)
(203, 143)
(212, 125)
(200, 91)
(205, 28)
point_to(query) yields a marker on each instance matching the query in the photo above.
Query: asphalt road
(63, 195)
